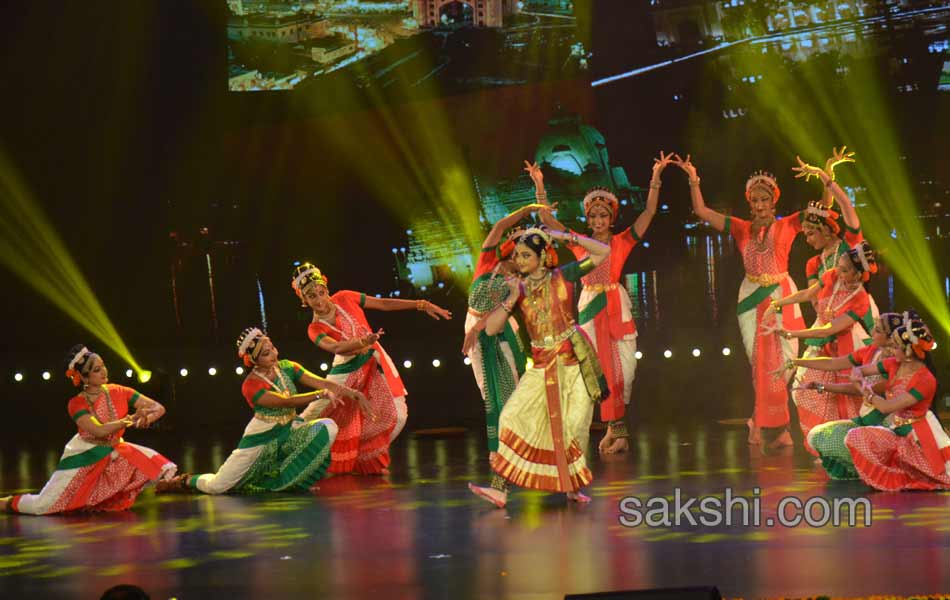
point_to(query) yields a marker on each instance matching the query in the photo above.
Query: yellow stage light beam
(31, 248)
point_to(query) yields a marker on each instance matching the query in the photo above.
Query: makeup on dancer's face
(760, 203)
(846, 269)
(599, 219)
(317, 297)
(268, 354)
(815, 236)
(525, 259)
(878, 337)
(98, 373)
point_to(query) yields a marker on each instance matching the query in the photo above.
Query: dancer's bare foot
(784, 439)
(578, 497)
(489, 494)
(755, 436)
(605, 442)
(618, 445)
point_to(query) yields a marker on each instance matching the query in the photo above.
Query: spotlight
(324, 367)
(212, 371)
(726, 351)
(183, 372)
(408, 232)
(128, 373)
(668, 353)
(696, 352)
(239, 370)
(646, 244)
(395, 250)
(407, 363)
(467, 360)
(665, 207)
(18, 377)
(638, 354)
(145, 376)
(935, 345)
(436, 363)
(46, 375)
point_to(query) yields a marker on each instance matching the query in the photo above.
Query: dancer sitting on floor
(279, 450)
(908, 449)
(98, 470)
(545, 425)
(340, 326)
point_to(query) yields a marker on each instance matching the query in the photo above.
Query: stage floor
(420, 533)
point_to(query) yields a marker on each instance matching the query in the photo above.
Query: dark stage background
(117, 116)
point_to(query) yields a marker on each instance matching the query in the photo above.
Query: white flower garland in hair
(862, 254)
(248, 340)
(83, 353)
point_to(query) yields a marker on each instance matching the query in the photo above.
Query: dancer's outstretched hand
(686, 164)
(838, 157)
(661, 163)
(471, 338)
(766, 330)
(807, 171)
(534, 171)
(436, 312)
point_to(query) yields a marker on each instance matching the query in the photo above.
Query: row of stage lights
(407, 364)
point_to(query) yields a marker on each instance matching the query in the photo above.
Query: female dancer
(339, 326)
(828, 438)
(279, 451)
(498, 361)
(842, 303)
(764, 244)
(604, 309)
(909, 449)
(822, 229)
(545, 425)
(98, 469)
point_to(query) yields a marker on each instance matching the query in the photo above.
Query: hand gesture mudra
(661, 163)
(808, 171)
(534, 171)
(685, 164)
(838, 157)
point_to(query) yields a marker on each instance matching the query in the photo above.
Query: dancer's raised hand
(661, 163)
(686, 164)
(534, 171)
(808, 171)
(838, 157)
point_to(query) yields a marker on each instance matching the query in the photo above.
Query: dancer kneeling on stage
(545, 425)
(279, 451)
(901, 444)
(828, 438)
(98, 471)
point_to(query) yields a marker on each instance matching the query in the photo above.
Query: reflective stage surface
(420, 533)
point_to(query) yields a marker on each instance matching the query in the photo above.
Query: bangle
(820, 388)
(775, 305)
(421, 304)
(655, 185)
(786, 334)
(789, 364)
(573, 238)
(694, 182)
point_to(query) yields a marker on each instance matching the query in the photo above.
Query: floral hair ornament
(764, 180)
